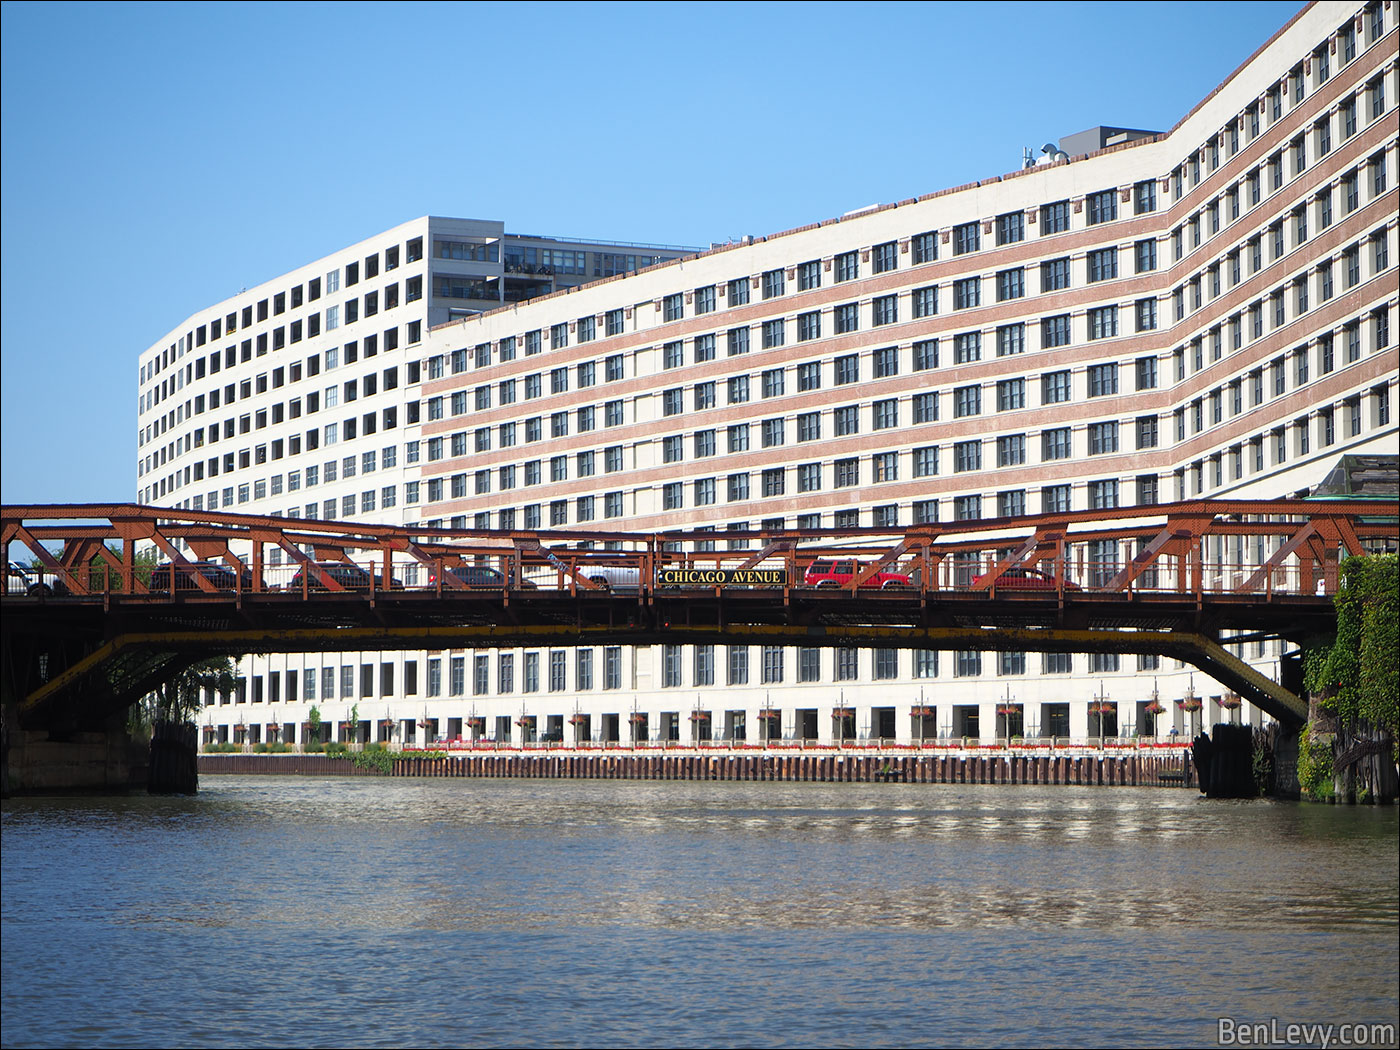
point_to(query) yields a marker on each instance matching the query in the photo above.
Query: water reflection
(842, 914)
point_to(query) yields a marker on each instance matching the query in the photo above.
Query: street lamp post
(1100, 706)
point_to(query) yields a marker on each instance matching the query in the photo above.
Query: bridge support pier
(104, 761)
(1225, 762)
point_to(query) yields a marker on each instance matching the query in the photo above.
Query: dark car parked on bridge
(1023, 578)
(220, 575)
(480, 576)
(30, 582)
(349, 575)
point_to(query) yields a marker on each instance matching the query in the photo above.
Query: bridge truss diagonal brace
(48, 561)
(179, 561)
(879, 565)
(578, 581)
(1177, 536)
(70, 675)
(1041, 539)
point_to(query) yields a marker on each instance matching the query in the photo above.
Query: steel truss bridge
(88, 628)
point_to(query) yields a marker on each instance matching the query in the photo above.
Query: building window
(1055, 443)
(1055, 387)
(1102, 206)
(1054, 218)
(967, 508)
(773, 285)
(926, 461)
(1011, 284)
(1011, 395)
(1011, 504)
(1011, 450)
(925, 354)
(967, 293)
(1103, 264)
(925, 247)
(1145, 197)
(884, 257)
(1146, 432)
(967, 238)
(1103, 322)
(967, 401)
(885, 310)
(1103, 438)
(1054, 275)
(1011, 228)
(1103, 380)
(1011, 339)
(967, 347)
(925, 407)
(845, 318)
(1103, 495)
(1054, 499)
(967, 456)
(1144, 255)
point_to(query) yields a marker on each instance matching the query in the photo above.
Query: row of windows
(333, 358)
(1320, 357)
(1228, 271)
(1323, 428)
(1249, 123)
(280, 302)
(585, 670)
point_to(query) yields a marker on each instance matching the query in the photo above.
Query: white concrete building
(1203, 312)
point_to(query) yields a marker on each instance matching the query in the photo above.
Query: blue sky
(158, 158)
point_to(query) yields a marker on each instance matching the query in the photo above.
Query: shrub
(1315, 766)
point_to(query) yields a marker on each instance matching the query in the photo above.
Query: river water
(271, 911)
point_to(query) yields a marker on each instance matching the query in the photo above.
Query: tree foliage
(178, 699)
(1356, 675)
(100, 569)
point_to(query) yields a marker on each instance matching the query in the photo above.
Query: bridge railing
(1205, 547)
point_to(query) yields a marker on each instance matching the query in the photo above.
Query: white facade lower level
(1204, 312)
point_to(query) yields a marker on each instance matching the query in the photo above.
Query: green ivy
(379, 758)
(1315, 766)
(1356, 674)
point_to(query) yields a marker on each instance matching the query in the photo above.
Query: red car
(837, 572)
(1022, 578)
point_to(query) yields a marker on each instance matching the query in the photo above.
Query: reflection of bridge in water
(90, 630)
